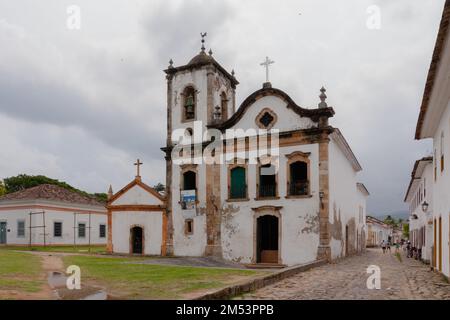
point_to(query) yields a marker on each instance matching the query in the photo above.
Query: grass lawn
(20, 271)
(68, 249)
(124, 279)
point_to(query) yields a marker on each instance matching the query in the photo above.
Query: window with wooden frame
(102, 231)
(298, 174)
(189, 179)
(435, 165)
(442, 152)
(189, 99)
(21, 228)
(237, 182)
(267, 181)
(81, 230)
(57, 229)
(188, 226)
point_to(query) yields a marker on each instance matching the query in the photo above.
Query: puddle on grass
(57, 281)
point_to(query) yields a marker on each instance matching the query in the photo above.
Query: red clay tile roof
(51, 192)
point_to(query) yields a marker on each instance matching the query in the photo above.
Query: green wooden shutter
(238, 187)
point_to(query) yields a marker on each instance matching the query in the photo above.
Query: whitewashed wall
(441, 189)
(52, 215)
(344, 198)
(299, 217)
(151, 222)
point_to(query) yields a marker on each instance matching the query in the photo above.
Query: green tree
(2, 188)
(406, 230)
(389, 220)
(159, 187)
(23, 181)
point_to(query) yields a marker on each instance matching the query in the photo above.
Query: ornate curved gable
(271, 111)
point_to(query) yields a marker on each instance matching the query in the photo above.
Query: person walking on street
(383, 246)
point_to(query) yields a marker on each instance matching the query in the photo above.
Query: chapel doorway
(3, 232)
(267, 239)
(137, 240)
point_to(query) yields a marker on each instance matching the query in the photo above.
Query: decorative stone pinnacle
(170, 63)
(232, 72)
(323, 97)
(203, 35)
(210, 52)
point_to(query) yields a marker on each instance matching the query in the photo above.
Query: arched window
(224, 105)
(299, 184)
(189, 104)
(189, 180)
(238, 185)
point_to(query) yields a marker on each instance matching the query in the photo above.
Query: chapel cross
(138, 164)
(267, 63)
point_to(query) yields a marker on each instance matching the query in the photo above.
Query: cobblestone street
(409, 279)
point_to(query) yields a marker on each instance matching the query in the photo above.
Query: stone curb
(257, 283)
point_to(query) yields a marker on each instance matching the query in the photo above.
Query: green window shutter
(238, 187)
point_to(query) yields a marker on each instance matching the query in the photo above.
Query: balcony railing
(299, 188)
(267, 190)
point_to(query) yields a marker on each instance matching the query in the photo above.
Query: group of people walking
(386, 246)
(411, 251)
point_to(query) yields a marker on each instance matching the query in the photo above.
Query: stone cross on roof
(138, 164)
(266, 64)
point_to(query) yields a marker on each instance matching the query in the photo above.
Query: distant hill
(396, 215)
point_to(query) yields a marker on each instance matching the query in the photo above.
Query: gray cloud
(82, 105)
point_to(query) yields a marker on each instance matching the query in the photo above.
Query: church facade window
(266, 119)
(189, 180)
(237, 182)
(298, 174)
(267, 181)
(224, 105)
(189, 104)
(188, 226)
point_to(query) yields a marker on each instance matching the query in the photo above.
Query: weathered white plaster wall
(287, 119)
(441, 188)
(12, 216)
(344, 200)
(299, 217)
(137, 195)
(151, 222)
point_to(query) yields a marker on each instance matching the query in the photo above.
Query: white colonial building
(420, 198)
(377, 232)
(266, 182)
(51, 215)
(434, 123)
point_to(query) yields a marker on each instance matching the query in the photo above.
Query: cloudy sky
(82, 105)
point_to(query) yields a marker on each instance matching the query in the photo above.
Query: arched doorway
(137, 240)
(267, 239)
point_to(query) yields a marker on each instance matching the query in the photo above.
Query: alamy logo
(214, 147)
(74, 17)
(374, 280)
(73, 281)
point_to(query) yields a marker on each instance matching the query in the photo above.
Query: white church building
(268, 181)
